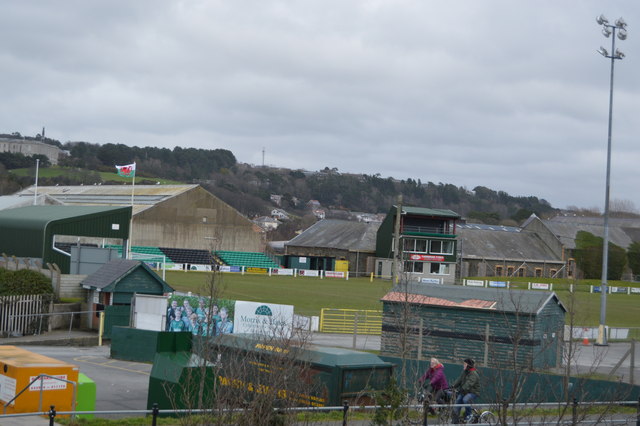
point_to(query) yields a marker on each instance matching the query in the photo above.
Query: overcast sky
(510, 95)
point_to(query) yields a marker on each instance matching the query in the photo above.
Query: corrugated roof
(521, 301)
(498, 244)
(567, 232)
(144, 196)
(338, 234)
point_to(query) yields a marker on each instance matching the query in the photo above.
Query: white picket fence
(18, 314)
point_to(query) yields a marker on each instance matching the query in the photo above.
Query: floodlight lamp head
(606, 31)
(620, 23)
(619, 54)
(603, 52)
(601, 20)
(622, 34)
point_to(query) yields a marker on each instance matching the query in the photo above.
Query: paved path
(124, 385)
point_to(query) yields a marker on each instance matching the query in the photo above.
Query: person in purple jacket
(435, 381)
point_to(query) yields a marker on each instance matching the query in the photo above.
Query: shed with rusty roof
(496, 327)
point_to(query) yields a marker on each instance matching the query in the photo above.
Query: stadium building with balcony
(426, 241)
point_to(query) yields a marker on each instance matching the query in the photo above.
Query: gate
(115, 315)
(20, 315)
(350, 321)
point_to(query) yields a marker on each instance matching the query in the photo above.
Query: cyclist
(435, 381)
(468, 387)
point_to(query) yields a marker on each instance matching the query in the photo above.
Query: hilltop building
(29, 147)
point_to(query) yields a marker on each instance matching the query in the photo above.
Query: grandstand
(195, 256)
(250, 259)
(172, 255)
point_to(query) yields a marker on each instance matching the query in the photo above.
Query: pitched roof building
(179, 216)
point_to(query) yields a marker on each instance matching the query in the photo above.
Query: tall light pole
(608, 30)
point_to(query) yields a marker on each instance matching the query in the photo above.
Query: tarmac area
(123, 385)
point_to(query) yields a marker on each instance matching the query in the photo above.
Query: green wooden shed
(113, 286)
(497, 327)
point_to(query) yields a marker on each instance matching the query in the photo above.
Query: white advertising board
(282, 271)
(150, 312)
(334, 274)
(540, 286)
(474, 283)
(308, 273)
(267, 319)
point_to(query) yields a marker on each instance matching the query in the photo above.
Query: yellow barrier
(348, 321)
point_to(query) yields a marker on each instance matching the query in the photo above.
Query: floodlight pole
(608, 30)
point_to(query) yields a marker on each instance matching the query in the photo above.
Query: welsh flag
(127, 171)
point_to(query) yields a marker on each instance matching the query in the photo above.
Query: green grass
(310, 295)
(56, 171)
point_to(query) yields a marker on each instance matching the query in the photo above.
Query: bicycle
(447, 414)
(416, 405)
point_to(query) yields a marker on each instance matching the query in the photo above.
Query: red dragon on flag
(127, 171)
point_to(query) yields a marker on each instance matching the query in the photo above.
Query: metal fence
(571, 416)
(350, 321)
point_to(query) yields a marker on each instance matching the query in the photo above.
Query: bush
(24, 281)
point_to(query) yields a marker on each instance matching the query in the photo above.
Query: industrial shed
(497, 328)
(176, 216)
(331, 240)
(31, 232)
(505, 251)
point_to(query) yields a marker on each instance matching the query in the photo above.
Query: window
(414, 245)
(538, 273)
(416, 267)
(520, 272)
(441, 247)
(553, 272)
(440, 268)
(499, 271)
(509, 271)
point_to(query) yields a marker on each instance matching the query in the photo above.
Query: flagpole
(133, 187)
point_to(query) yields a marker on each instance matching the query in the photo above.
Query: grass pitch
(310, 295)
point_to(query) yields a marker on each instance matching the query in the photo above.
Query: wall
(63, 319)
(453, 334)
(487, 268)
(70, 287)
(196, 219)
(358, 261)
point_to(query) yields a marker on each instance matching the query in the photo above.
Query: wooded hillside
(248, 188)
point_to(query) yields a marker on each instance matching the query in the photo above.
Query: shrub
(24, 281)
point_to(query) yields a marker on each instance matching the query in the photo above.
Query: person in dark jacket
(468, 387)
(435, 381)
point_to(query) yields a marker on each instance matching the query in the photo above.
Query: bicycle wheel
(487, 417)
(415, 411)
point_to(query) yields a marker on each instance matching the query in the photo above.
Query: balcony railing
(427, 230)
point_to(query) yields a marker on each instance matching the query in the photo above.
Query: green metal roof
(316, 355)
(423, 211)
(29, 231)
